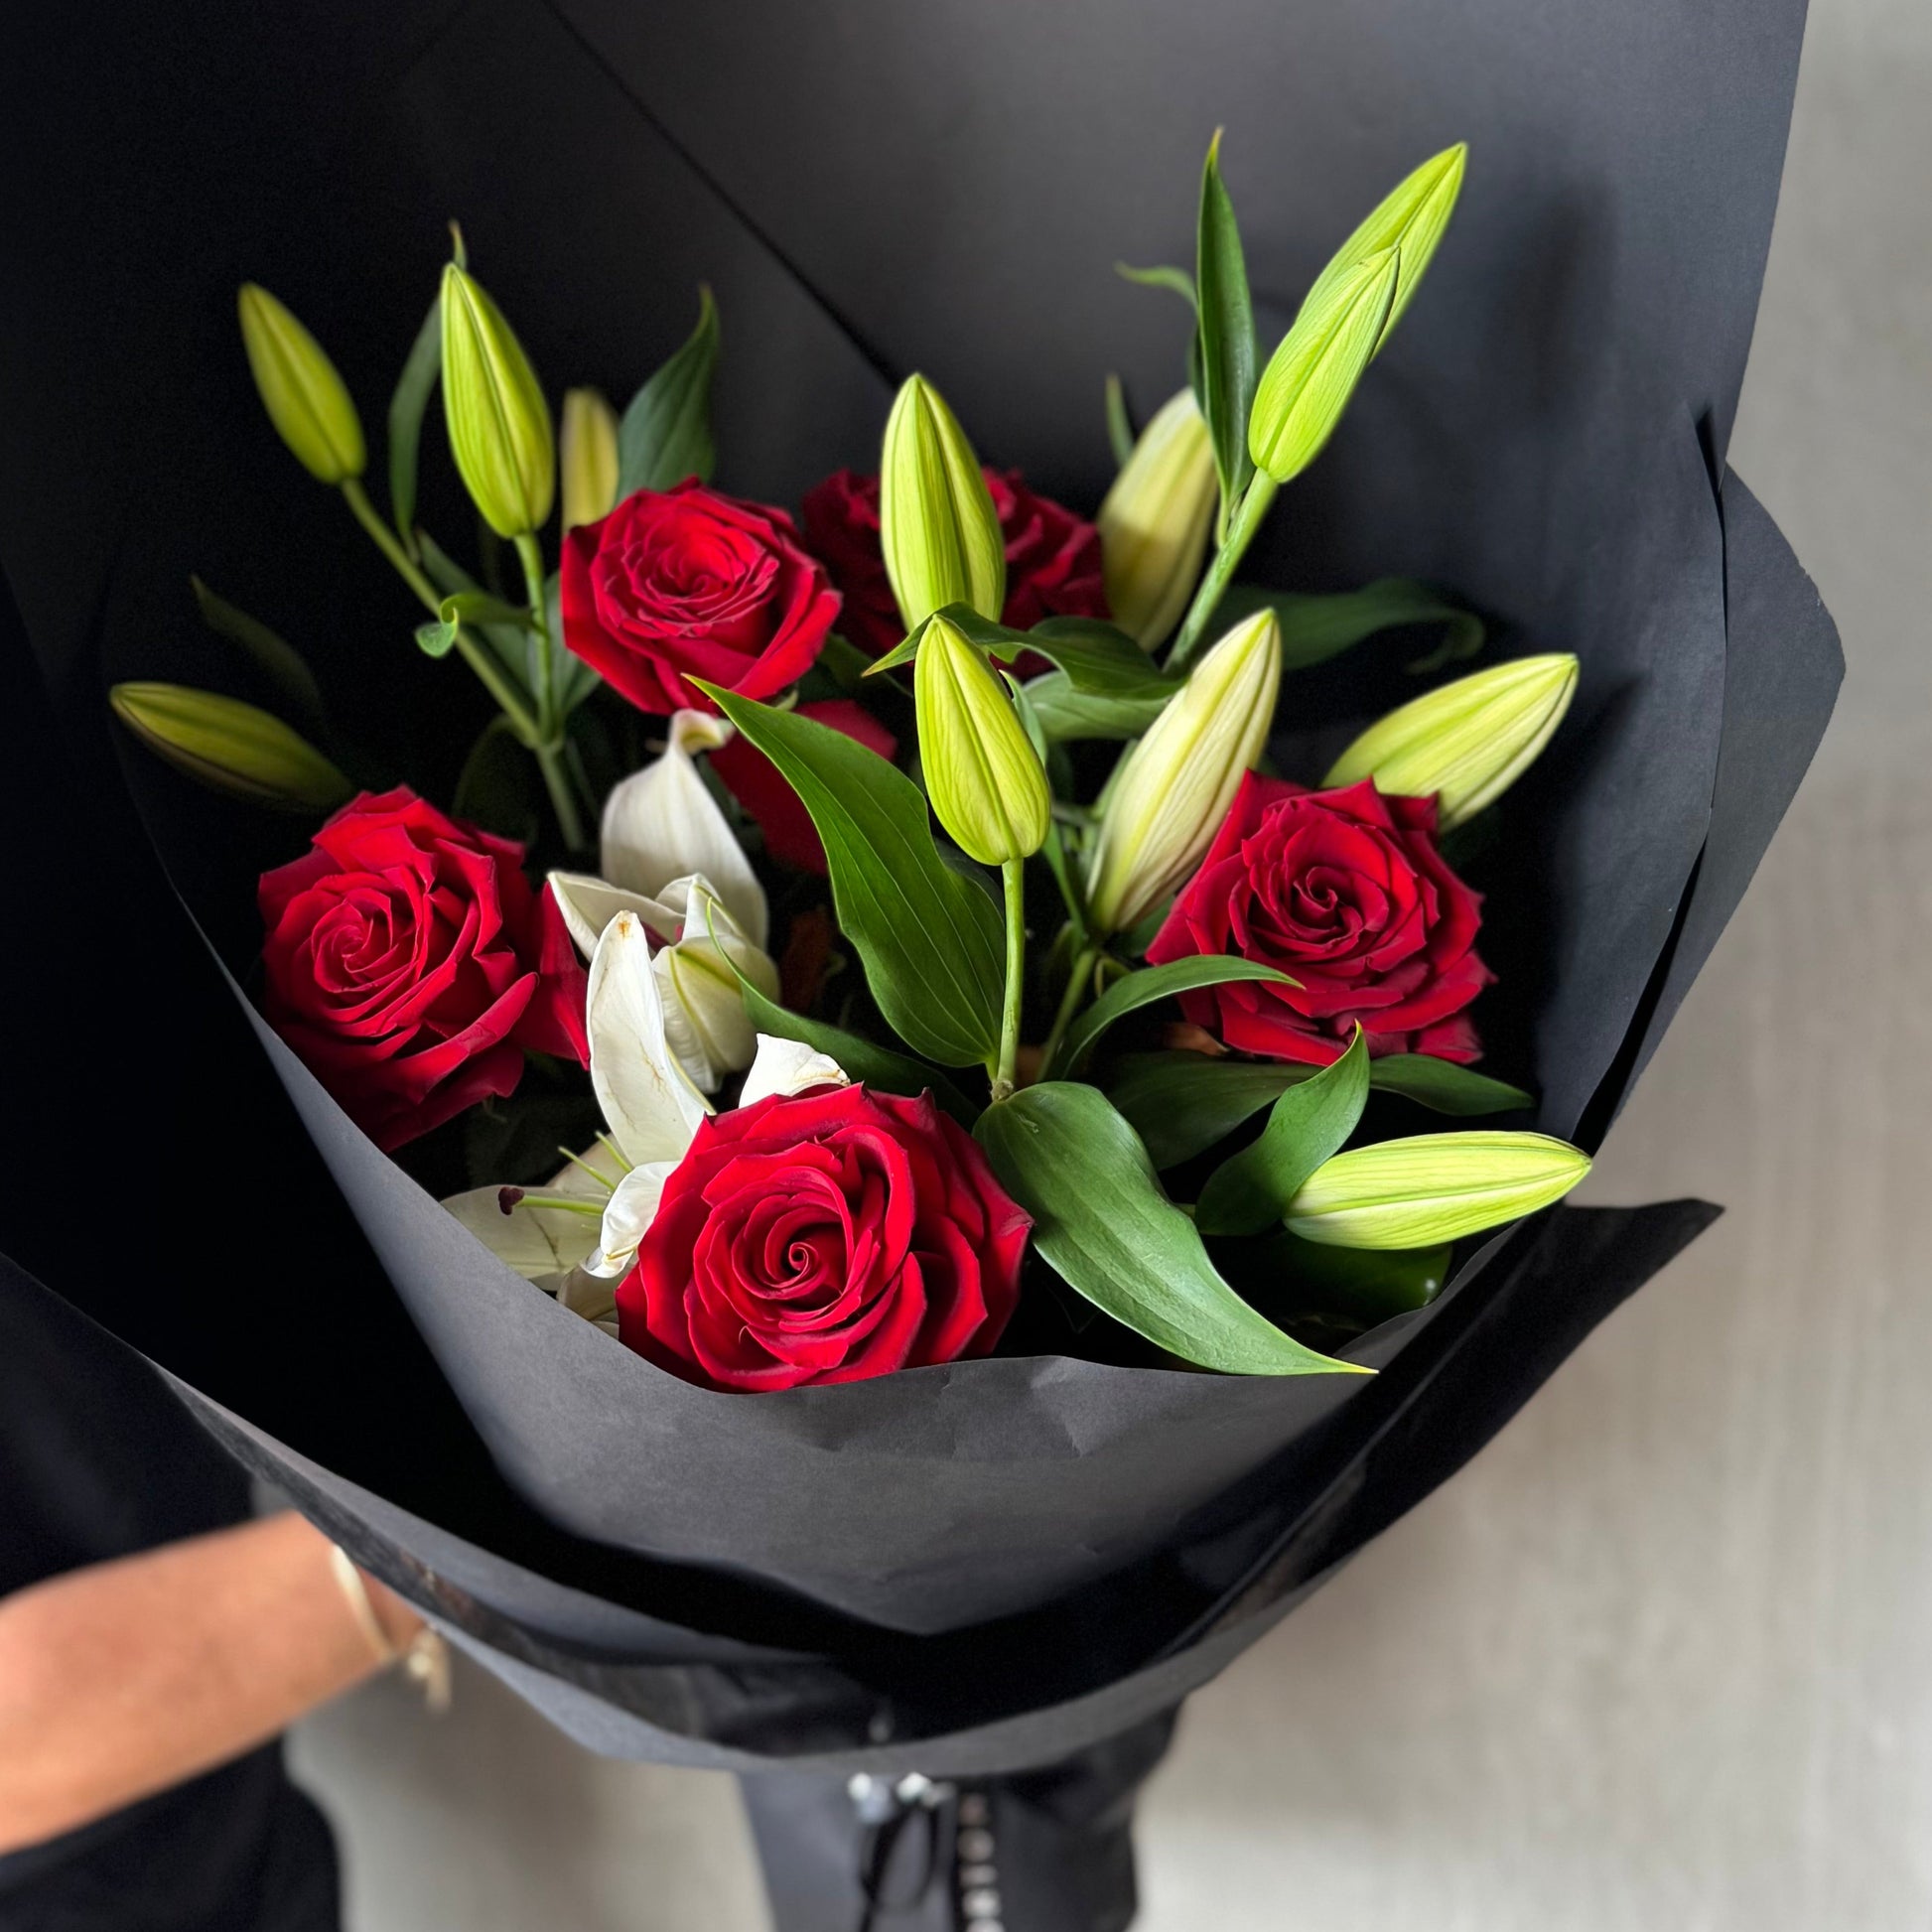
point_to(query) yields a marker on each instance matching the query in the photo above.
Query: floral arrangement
(960, 944)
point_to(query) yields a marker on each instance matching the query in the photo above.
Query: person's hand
(124, 1678)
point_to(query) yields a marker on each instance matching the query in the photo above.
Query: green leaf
(1143, 988)
(437, 639)
(496, 785)
(1176, 279)
(414, 387)
(1101, 1220)
(665, 434)
(1120, 428)
(1099, 659)
(1317, 628)
(1227, 331)
(506, 640)
(478, 608)
(931, 942)
(1345, 1288)
(863, 1059)
(1180, 1104)
(1443, 1086)
(280, 662)
(1311, 1120)
(1065, 713)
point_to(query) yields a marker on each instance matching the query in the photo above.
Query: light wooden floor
(1662, 1657)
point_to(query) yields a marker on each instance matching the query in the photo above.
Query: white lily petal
(589, 904)
(663, 823)
(628, 1219)
(590, 1296)
(650, 1105)
(789, 1067)
(540, 1243)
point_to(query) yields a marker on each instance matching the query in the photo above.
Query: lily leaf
(1153, 983)
(931, 942)
(1102, 1222)
(414, 387)
(1120, 426)
(1226, 332)
(666, 433)
(280, 662)
(1180, 1104)
(1065, 713)
(1316, 629)
(862, 1059)
(1311, 1120)
(1161, 277)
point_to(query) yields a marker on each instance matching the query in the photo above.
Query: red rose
(686, 583)
(824, 1238)
(409, 962)
(1346, 892)
(1053, 557)
(758, 786)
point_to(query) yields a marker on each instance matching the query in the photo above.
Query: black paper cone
(902, 187)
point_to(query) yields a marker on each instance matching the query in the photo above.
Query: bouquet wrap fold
(992, 1562)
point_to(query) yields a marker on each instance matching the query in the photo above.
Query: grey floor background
(1662, 1656)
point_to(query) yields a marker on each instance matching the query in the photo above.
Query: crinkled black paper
(992, 1562)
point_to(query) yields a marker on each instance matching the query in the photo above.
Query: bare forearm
(125, 1678)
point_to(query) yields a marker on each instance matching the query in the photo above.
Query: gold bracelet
(425, 1659)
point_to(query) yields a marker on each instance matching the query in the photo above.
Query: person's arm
(125, 1678)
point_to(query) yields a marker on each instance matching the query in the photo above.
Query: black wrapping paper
(1544, 434)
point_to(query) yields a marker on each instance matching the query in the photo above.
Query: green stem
(563, 800)
(1256, 501)
(494, 681)
(1076, 985)
(1014, 874)
(531, 559)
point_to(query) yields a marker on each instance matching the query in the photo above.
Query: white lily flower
(663, 823)
(653, 1110)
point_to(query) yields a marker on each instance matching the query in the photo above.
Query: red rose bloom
(766, 793)
(409, 963)
(1346, 892)
(1053, 556)
(686, 583)
(824, 1238)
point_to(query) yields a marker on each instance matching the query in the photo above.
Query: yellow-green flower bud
(938, 525)
(500, 423)
(1467, 741)
(231, 746)
(981, 771)
(306, 400)
(1154, 524)
(1432, 1187)
(1312, 373)
(1174, 787)
(588, 460)
(1411, 217)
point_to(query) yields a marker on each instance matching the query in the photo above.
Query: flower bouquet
(909, 1061)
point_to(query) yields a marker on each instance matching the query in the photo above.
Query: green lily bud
(982, 774)
(500, 423)
(306, 400)
(231, 746)
(1174, 788)
(1432, 1187)
(1468, 742)
(1154, 524)
(588, 459)
(1411, 217)
(940, 530)
(1313, 371)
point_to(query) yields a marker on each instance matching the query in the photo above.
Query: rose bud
(231, 746)
(1411, 217)
(1468, 742)
(1312, 373)
(306, 400)
(938, 525)
(1154, 524)
(498, 421)
(588, 456)
(1176, 785)
(980, 771)
(1432, 1187)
